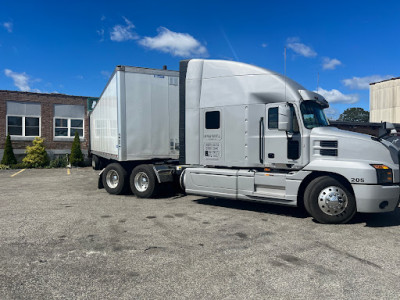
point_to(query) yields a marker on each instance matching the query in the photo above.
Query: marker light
(384, 174)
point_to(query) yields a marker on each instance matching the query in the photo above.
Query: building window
(23, 126)
(67, 127)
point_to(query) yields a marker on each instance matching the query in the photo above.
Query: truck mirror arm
(385, 130)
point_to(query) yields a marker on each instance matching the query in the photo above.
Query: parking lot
(62, 238)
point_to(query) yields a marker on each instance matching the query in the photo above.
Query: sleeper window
(212, 120)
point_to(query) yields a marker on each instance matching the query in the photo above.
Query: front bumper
(371, 198)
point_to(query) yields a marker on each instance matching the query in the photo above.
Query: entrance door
(281, 148)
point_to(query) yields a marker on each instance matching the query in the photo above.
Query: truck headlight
(384, 174)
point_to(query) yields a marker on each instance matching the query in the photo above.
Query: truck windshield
(313, 115)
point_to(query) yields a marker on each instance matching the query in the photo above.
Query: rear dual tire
(96, 162)
(115, 179)
(143, 181)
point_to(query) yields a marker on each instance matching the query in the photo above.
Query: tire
(96, 162)
(143, 181)
(329, 201)
(115, 179)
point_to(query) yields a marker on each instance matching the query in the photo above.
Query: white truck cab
(252, 134)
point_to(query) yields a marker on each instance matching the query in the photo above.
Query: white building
(384, 101)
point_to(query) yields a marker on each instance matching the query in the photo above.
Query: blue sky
(72, 47)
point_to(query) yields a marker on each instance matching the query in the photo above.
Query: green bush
(59, 162)
(4, 167)
(76, 157)
(18, 166)
(8, 156)
(36, 155)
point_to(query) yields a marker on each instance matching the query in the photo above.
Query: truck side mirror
(284, 118)
(386, 128)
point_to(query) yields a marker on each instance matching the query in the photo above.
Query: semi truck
(227, 129)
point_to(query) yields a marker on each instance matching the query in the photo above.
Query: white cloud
(80, 77)
(21, 81)
(101, 34)
(362, 83)
(300, 48)
(122, 33)
(103, 17)
(336, 96)
(330, 63)
(8, 26)
(105, 74)
(331, 113)
(264, 45)
(175, 43)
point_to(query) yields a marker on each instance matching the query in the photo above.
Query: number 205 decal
(356, 180)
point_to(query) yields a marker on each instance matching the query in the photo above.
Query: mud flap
(164, 173)
(100, 182)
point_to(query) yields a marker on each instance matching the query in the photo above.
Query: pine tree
(8, 155)
(76, 158)
(36, 155)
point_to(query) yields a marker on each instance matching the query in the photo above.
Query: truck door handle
(261, 140)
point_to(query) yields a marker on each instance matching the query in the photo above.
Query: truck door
(281, 148)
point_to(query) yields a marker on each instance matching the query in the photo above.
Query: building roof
(44, 94)
(394, 78)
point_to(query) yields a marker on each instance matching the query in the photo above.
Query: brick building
(54, 117)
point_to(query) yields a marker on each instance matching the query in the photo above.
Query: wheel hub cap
(141, 181)
(332, 200)
(112, 179)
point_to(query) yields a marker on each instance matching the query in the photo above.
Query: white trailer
(135, 122)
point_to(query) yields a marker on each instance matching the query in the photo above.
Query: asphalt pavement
(62, 238)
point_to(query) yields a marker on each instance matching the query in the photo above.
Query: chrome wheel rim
(112, 179)
(141, 181)
(333, 200)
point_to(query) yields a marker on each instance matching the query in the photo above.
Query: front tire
(143, 181)
(114, 179)
(329, 201)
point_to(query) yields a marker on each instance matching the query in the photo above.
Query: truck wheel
(96, 162)
(114, 179)
(329, 201)
(143, 181)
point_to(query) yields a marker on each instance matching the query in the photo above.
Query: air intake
(329, 144)
(329, 148)
(328, 152)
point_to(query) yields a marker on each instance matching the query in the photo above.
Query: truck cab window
(273, 118)
(212, 120)
(313, 115)
(295, 122)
